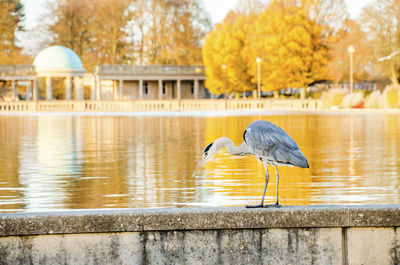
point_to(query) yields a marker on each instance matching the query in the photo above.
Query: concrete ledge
(288, 235)
(140, 220)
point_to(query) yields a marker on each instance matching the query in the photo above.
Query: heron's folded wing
(264, 137)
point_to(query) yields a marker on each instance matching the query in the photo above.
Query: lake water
(55, 162)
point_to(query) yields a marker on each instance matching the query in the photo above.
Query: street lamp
(351, 50)
(258, 60)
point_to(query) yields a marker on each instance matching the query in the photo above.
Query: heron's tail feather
(292, 157)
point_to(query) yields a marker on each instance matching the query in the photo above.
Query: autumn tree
(225, 57)
(339, 63)
(131, 31)
(189, 28)
(174, 31)
(109, 40)
(213, 61)
(382, 20)
(250, 7)
(138, 26)
(291, 38)
(290, 46)
(330, 15)
(70, 24)
(11, 16)
(93, 29)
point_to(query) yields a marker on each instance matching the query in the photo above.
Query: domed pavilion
(61, 62)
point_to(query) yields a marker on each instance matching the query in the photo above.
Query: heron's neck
(233, 150)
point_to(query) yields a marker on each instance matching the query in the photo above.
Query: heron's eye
(206, 153)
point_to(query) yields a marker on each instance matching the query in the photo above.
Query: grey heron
(268, 143)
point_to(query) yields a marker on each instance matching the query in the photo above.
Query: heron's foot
(276, 205)
(255, 206)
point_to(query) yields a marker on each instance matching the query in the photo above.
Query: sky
(217, 9)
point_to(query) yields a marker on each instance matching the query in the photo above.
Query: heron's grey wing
(268, 140)
(261, 136)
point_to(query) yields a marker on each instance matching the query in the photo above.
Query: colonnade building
(148, 82)
(107, 82)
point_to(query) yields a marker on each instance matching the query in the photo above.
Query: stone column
(35, 92)
(68, 88)
(115, 90)
(93, 89)
(178, 88)
(196, 88)
(49, 89)
(98, 88)
(140, 89)
(78, 88)
(160, 90)
(121, 89)
(28, 91)
(14, 90)
(81, 87)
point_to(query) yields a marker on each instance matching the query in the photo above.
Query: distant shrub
(355, 100)
(374, 100)
(390, 96)
(314, 95)
(332, 97)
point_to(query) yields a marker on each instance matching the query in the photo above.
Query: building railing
(150, 69)
(16, 70)
(156, 105)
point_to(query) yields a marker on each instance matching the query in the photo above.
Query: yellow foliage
(293, 52)
(213, 62)
(352, 100)
(373, 100)
(332, 98)
(226, 67)
(288, 42)
(391, 96)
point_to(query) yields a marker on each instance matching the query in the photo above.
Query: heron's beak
(198, 166)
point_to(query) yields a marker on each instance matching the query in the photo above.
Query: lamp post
(351, 50)
(258, 60)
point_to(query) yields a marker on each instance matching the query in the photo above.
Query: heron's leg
(277, 187)
(265, 189)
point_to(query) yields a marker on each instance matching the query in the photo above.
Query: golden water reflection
(50, 162)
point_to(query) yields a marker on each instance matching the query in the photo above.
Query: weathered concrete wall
(287, 235)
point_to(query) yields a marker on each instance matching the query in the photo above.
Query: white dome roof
(58, 59)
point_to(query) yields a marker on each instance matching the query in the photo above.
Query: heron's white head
(208, 153)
